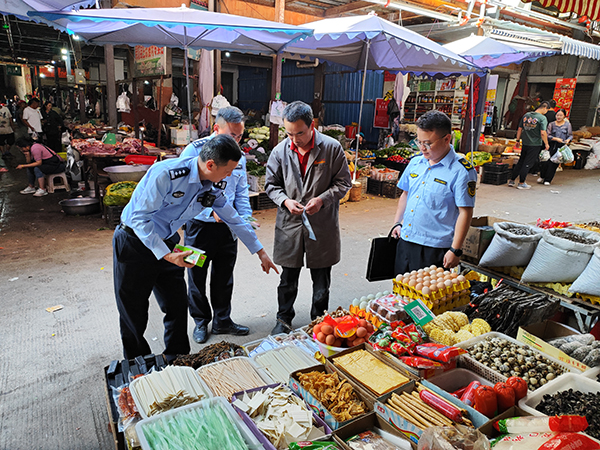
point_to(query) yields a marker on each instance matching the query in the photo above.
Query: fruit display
(582, 347)
(342, 332)
(513, 360)
(440, 289)
(453, 327)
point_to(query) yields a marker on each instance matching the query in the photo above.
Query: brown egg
(448, 283)
(414, 272)
(433, 288)
(412, 282)
(455, 281)
(426, 278)
(425, 283)
(440, 285)
(454, 275)
(432, 267)
(419, 287)
(419, 271)
(426, 290)
(440, 270)
(406, 274)
(461, 278)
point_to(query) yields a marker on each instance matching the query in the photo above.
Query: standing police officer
(171, 193)
(209, 233)
(435, 210)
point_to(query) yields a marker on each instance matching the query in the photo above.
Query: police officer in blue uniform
(435, 210)
(171, 193)
(209, 233)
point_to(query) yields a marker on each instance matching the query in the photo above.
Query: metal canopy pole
(187, 75)
(362, 99)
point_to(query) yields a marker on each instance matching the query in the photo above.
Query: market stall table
(585, 312)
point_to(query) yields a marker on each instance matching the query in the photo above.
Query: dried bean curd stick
(229, 377)
(280, 363)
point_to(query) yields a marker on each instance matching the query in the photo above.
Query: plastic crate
(112, 214)
(374, 186)
(495, 167)
(395, 166)
(262, 201)
(117, 374)
(495, 178)
(390, 190)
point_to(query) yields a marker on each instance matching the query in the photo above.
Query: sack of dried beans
(512, 245)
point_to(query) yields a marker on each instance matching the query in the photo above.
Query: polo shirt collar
(312, 143)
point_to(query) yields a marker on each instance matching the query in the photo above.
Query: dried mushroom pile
(210, 354)
(513, 360)
(575, 403)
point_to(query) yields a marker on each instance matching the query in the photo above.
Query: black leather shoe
(200, 334)
(234, 329)
(281, 328)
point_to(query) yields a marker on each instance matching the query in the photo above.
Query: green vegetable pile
(205, 428)
(479, 158)
(119, 194)
(400, 149)
(334, 133)
(255, 169)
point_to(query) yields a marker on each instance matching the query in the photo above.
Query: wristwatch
(458, 252)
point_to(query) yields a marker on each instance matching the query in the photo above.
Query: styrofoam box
(249, 437)
(565, 382)
(261, 373)
(136, 400)
(472, 364)
(592, 373)
(456, 379)
(306, 360)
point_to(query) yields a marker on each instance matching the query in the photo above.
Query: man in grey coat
(307, 175)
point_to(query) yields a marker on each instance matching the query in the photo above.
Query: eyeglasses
(427, 145)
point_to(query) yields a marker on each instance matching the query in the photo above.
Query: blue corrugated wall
(253, 88)
(297, 84)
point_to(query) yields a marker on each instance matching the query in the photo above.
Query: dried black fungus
(574, 403)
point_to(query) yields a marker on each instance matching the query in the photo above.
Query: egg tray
(411, 292)
(468, 362)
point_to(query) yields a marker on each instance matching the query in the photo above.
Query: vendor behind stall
(436, 206)
(41, 161)
(361, 142)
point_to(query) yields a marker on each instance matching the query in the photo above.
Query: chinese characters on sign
(563, 93)
(381, 119)
(150, 60)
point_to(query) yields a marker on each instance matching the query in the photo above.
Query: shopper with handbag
(560, 132)
(41, 161)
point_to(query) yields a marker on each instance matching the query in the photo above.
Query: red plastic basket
(140, 159)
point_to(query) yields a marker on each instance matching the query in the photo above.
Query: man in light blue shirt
(435, 210)
(209, 233)
(171, 193)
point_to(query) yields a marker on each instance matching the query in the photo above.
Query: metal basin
(126, 173)
(80, 206)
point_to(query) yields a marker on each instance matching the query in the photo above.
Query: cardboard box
(479, 236)
(180, 136)
(316, 405)
(488, 427)
(412, 431)
(537, 334)
(366, 423)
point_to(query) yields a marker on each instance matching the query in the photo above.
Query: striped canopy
(589, 8)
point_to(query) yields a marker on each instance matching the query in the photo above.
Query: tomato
(485, 401)
(519, 385)
(505, 395)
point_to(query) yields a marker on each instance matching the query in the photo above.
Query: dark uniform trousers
(411, 256)
(287, 291)
(220, 247)
(137, 273)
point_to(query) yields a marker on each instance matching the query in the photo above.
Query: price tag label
(419, 313)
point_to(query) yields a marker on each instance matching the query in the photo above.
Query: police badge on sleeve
(471, 188)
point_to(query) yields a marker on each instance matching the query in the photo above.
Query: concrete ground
(51, 382)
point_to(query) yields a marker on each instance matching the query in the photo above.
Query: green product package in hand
(197, 257)
(313, 445)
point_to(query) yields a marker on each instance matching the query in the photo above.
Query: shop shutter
(581, 105)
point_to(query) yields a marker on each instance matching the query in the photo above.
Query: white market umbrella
(177, 27)
(488, 52)
(21, 8)
(369, 42)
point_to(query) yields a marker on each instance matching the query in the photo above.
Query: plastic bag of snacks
(542, 424)
(459, 436)
(545, 441)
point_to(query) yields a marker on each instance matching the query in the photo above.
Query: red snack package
(459, 392)
(485, 401)
(519, 385)
(438, 352)
(468, 397)
(505, 396)
(420, 363)
(399, 348)
(412, 332)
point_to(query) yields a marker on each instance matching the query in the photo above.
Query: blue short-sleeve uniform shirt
(435, 192)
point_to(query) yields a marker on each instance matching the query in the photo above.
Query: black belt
(127, 229)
